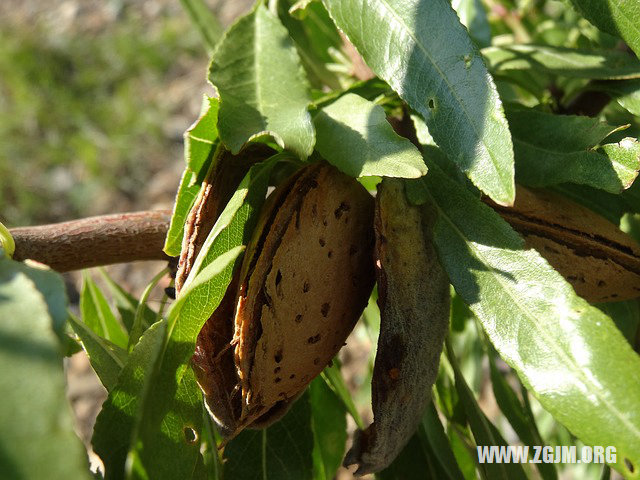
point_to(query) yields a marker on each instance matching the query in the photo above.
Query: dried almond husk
(601, 262)
(414, 298)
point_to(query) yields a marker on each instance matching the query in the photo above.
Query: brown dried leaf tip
(305, 279)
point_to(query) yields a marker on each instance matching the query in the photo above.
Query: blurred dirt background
(94, 98)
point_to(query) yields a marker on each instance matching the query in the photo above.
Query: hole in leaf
(432, 103)
(190, 435)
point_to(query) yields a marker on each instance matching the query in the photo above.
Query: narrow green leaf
(432, 432)
(518, 416)
(36, 428)
(563, 349)
(200, 145)
(473, 16)
(567, 62)
(552, 149)
(7, 242)
(485, 433)
(617, 17)
(328, 416)
(353, 134)
(426, 55)
(97, 314)
(204, 20)
(171, 428)
(317, 40)
(284, 451)
(138, 320)
(261, 83)
(127, 304)
(625, 92)
(333, 377)
(117, 424)
(107, 359)
(412, 462)
(626, 316)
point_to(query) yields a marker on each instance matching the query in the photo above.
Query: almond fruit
(305, 279)
(601, 262)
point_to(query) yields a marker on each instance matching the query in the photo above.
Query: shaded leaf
(617, 17)
(353, 134)
(117, 424)
(473, 16)
(205, 21)
(518, 415)
(36, 429)
(425, 54)
(610, 206)
(328, 415)
(567, 62)
(625, 92)
(97, 315)
(261, 84)
(626, 316)
(107, 359)
(431, 431)
(484, 432)
(563, 349)
(200, 145)
(127, 304)
(412, 462)
(333, 377)
(281, 452)
(552, 149)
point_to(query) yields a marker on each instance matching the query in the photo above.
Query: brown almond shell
(308, 276)
(601, 262)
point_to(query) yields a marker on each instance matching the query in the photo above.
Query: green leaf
(552, 149)
(625, 92)
(138, 326)
(106, 358)
(284, 451)
(36, 429)
(204, 20)
(261, 84)
(333, 377)
(617, 17)
(484, 432)
(353, 134)
(567, 62)
(563, 349)
(97, 314)
(200, 145)
(518, 416)
(431, 431)
(118, 422)
(317, 41)
(171, 427)
(473, 16)
(328, 416)
(426, 55)
(126, 304)
(626, 316)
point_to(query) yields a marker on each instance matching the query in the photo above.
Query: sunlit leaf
(563, 349)
(262, 86)
(426, 55)
(97, 315)
(353, 134)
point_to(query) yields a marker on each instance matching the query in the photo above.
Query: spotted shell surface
(308, 276)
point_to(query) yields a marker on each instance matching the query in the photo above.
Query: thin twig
(95, 241)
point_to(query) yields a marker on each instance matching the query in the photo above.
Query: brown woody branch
(95, 241)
